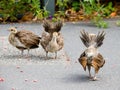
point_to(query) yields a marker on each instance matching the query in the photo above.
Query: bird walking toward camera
(51, 39)
(91, 56)
(23, 39)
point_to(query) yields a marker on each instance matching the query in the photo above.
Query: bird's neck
(12, 34)
(11, 38)
(54, 39)
(91, 47)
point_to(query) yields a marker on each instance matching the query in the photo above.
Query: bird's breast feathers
(52, 47)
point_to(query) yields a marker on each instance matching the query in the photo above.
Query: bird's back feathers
(28, 38)
(24, 39)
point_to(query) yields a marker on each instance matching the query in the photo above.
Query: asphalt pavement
(35, 72)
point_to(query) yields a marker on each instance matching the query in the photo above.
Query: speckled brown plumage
(91, 57)
(89, 39)
(51, 27)
(46, 39)
(97, 61)
(52, 40)
(23, 39)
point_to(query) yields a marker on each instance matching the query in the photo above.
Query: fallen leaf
(67, 59)
(2, 79)
(34, 80)
(2, 39)
(5, 48)
(18, 67)
(13, 88)
(113, 14)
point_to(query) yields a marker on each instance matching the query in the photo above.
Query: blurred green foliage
(10, 9)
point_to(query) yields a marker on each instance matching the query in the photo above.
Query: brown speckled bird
(23, 39)
(91, 57)
(52, 40)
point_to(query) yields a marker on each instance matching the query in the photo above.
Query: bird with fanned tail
(91, 56)
(23, 39)
(51, 38)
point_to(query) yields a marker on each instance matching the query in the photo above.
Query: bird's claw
(93, 78)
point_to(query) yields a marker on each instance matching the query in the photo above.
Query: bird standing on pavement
(91, 57)
(51, 39)
(23, 39)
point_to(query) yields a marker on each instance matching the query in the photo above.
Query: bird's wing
(83, 60)
(45, 39)
(98, 62)
(28, 38)
(60, 41)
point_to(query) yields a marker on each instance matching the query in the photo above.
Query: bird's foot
(46, 58)
(93, 79)
(90, 77)
(55, 57)
(27, 56)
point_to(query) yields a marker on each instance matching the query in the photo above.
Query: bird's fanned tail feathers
(92, 39)
(51, 27)
(100, 38)
(58, 26)
(85, 38)
(46, 25)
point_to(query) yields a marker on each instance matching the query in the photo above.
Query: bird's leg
(28, 51)
(94, 78)
(46, 54)
(27, 56)
(22, 52)
(89, 68)
(96, 71)
(55, 55)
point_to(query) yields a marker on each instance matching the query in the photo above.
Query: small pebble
(21, 71)
(75, 61)
(26, 80)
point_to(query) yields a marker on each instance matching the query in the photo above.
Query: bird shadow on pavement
(28, 59)
(76, 78)
(17, 56)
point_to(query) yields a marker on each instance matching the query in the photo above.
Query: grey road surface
(35, 72)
